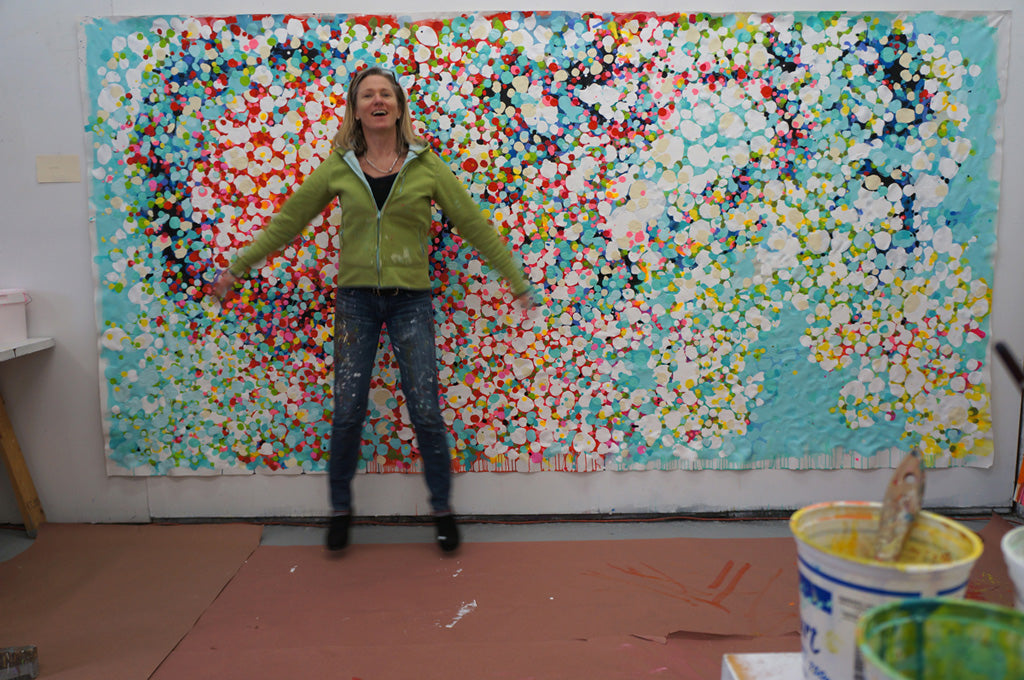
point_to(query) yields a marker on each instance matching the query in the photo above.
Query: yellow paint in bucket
(941, 639)
(839, 580)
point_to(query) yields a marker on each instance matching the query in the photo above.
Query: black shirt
(381, 187)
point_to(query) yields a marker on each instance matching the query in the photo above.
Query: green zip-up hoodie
(385, 248)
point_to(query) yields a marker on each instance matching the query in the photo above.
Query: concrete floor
(483, 532)
(13, 541)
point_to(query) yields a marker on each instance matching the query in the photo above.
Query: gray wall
(53, 396)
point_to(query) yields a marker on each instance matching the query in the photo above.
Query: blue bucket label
(815, 595)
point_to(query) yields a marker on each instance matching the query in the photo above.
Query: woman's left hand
(223, 284)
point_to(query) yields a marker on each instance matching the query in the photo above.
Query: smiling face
(378, 107)
(377, 104)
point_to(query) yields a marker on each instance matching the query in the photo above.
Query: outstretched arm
(464, 212)
(309, 200)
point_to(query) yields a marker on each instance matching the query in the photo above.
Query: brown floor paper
(577, 609)
(613, 658)
(990, 579)
(111, 601)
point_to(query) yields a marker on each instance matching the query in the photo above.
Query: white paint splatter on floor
(466, 608)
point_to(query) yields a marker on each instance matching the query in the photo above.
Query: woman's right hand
(223, 284)
(525, 304)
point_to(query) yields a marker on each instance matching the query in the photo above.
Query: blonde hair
(350, 135)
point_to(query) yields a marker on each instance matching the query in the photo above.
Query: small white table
(778, 666)
(24, 490)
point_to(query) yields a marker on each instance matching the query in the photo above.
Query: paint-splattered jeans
(409, 318)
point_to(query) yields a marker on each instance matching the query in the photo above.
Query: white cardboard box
(774, 666)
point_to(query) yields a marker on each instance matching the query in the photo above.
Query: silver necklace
(373, 165)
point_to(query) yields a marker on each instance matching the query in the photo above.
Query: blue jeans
(408, 315)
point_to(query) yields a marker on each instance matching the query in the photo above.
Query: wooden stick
(24, 490)
(900, 507)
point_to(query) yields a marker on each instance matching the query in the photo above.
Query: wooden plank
(24, 490)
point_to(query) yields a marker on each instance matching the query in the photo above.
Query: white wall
(53, 397)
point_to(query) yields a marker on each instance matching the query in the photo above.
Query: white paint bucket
(1013, 553)
(839, 582)
(12, 315)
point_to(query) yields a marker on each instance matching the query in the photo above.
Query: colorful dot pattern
(759, 240)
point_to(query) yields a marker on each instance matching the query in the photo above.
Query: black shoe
(337, 532)
(447, 532)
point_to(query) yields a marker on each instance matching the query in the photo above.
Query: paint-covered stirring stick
(1014, 367)
(900, 506)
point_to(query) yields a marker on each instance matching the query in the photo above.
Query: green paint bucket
(940, 639)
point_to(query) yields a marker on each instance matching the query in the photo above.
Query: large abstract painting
(758, 240)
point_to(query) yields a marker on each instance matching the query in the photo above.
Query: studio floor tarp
(94, 598)
(111, 601)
